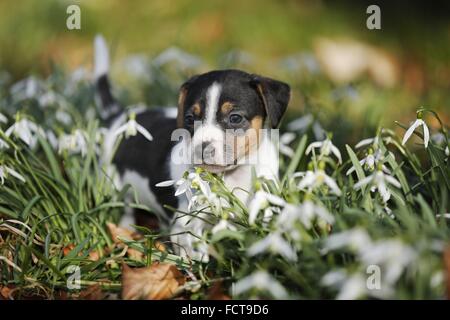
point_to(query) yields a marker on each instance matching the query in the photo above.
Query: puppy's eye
(236, 118)
(189, 119)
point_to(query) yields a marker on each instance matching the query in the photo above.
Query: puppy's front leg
(186, 233)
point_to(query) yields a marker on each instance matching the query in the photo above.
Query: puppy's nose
(206, 150)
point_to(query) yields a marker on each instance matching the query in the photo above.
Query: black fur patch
(150, 159)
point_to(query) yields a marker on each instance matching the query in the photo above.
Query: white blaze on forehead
(212, 102)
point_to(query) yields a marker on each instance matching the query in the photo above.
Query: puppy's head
(224, 112)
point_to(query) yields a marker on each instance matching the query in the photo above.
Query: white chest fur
(263, 161)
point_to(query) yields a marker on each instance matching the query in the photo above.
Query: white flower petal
(410, 131)
(336, 152)
(332, 184)
(307, 180)
(317, 144)
(14, 173)
(392, 181)
(363, 182)
(426, 134)
(364, 142)
(120, 130)
(384, 192)
(144, 132)
(167, 183)
(3, 118)
(276, 200)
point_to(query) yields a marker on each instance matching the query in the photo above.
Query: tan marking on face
(246, 143)
(196, 109)
(181, 98)
(226, 107)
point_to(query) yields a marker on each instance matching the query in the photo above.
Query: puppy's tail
(109, 107)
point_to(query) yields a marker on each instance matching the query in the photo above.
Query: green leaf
(50, 157)
(367, 200)
(293, 165)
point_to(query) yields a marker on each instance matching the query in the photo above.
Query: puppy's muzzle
(206, 152)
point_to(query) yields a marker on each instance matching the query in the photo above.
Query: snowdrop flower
(261, 280)
(305, 213)
(419, 122)
(375, 141)
(301, 124)
(366, 142)
(236, 57)
(74, 143)
(262, 200)
(183, 59)
(314, 179)
(202, 185)
(357, 239)
(370, 161)
(351, 287)
(285, 140)
(52, 139)
(3, 118)
(3, 144)
(379, 181)
(439, 138)
(392, 255)
(63, 117)
(274, 243)
(137, 66)
(47, 99)
(223, 225)
(27, 88)
(326, 148)
(25, 129)
(5, 171)
(78, 75)
(345, 92)
(189, 181)
(131, 128)
(182, 185)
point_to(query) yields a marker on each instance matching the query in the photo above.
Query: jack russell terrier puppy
(212, 107)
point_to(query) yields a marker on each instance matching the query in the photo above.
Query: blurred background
(344, 76)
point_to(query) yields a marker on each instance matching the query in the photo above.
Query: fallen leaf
(160, 246)
(157, 282)
(116, 232)
(4, 293)
(135, 254)
(93, 292)
(216, 292)
(94, 255)
(68, 248)
(447, 269)
(344, 61)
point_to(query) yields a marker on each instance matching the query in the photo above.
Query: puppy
(217, 126)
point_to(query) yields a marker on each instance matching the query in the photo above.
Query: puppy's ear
(181, 99)
(275, 96)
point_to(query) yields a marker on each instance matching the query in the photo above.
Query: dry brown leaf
(157, 282)
(93, 292)
(345, 60)
(94, 255)
(68, 248)
(116, 232)
(447, 269)
(216, 292)
(4, 293)
(135, 254)
(160, 246)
